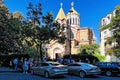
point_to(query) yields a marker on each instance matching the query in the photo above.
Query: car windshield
(55, 64)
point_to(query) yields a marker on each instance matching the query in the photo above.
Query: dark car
(109, 68)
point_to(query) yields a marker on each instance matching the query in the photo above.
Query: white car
(83, 69)
(49, 69)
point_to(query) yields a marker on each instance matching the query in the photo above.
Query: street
(22, 76)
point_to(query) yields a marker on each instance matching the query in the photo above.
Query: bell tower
(73, 18)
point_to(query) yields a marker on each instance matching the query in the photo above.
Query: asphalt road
(23, 76)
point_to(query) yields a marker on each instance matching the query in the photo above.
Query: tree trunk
(41, 55)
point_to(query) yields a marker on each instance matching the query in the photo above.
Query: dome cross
(61, 4)
(72, 4)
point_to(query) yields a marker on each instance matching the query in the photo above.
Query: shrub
(5, 59)
(76, 57)
(100, 57)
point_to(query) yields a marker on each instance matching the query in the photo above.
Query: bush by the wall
(100, 57)
(5, 59)
(82, 57)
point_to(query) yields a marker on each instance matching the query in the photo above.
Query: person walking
(15, 62)
(25, 66)
(11, 64)
(20, 64)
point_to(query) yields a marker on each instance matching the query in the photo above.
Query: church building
(75, 35)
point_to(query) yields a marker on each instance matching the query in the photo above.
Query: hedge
(5, 59)
(76, 57)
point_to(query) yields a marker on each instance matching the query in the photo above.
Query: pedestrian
(80, 60)
(15, 62)
(30, 61)
(25, 66)
(11, 64)
(20, 64)
(87, 60)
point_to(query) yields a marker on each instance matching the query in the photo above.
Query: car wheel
(46, 74)
(32, 71)
(82, 74)
(69, 72)
(108, 73)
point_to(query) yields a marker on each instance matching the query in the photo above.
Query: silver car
(49, 69)
(83, 69)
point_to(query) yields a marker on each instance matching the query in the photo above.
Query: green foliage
(5, 58)
(9, 28)
(110, 39)
(104, 27)
(89, 49)
(115, 25)
(21, 35)
(45, 32)
(32, 51)
(111, 51)
(34, 13)
(117, 52)
(82, 57)
(99, 56)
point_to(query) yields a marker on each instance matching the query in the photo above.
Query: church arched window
(70, 20)
(76, 20)
(73, 20)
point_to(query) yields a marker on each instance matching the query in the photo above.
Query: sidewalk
(6, 69)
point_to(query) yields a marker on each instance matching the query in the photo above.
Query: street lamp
(70, 34)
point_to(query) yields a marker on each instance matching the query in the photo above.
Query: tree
(34, 13)
(9, 36)
(115, 29)
(115, 26)
(14, 31)
(46, 30)
(89, 49)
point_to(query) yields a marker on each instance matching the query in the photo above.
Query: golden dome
(72, 10)
(60, 14)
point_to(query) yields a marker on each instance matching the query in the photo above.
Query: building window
(70, 20)
(76, 43)
(105, 32)
(79, 21)
(76, 21)
(67, 21)
(73, 20)
(108, 17)
(103, 21)
(110, 43)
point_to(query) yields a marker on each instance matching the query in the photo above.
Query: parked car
(49, 69)
(83, 69)
(109, 68)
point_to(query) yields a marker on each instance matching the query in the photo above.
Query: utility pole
(70, 30)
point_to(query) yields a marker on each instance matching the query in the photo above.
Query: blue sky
(91, 11)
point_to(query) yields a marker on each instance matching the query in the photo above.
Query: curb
(6, 69)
